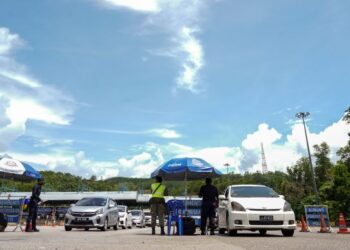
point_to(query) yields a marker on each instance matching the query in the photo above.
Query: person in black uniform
(209, 204)
(33, 207)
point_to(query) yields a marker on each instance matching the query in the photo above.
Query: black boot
(153, 231)
(162, 232)
(28, 228)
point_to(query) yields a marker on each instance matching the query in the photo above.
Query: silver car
(94, 212)
(138, 218)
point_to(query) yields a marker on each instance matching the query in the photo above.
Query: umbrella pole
(186, 193)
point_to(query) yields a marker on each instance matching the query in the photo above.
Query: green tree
(347, 115)
(323, 163)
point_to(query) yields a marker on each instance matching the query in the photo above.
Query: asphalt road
(57, 238)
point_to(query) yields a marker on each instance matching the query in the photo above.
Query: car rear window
(92, 202)
(121, 209)
(253, 191)
(135, 213)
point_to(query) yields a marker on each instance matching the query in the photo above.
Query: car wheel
(288, 232)
(262, 232)
(232, 232)
(222, 230)
(86, 229)
(105, 225)
(115, 227)
(67, 228)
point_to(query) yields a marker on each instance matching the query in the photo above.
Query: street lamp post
(226, 165)
(302, 116)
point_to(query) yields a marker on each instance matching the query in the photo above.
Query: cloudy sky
(116, 87)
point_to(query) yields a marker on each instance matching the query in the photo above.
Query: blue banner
(12, 209)
(313, 215)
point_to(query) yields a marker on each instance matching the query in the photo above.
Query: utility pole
(302, 116)
(263, 160)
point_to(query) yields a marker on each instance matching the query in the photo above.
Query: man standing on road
(33, 206)
(209, 204)
(158, 204)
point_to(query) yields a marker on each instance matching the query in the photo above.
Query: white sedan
(125, 217)
(254, 207)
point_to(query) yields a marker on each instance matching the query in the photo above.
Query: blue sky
(115, 87)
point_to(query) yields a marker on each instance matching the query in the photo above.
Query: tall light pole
(226, 165)
(302, 116)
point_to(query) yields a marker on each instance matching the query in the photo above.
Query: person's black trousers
(33, 214)
(208, 211)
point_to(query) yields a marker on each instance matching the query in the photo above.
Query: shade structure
(186, 169)
(180, 169)
(15, 169)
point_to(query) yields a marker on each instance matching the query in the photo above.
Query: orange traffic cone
(342, 225)
(304, 227)
(324, 228)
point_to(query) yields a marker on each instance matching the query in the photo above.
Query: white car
(125, 217)
(138, 218)
(148, 218)
(254, 207)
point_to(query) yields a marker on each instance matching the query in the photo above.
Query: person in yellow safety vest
(157, 202)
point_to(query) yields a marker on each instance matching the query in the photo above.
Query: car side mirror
(110, 206)
(222, 198)
(72, 205)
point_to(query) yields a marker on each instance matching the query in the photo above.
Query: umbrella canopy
(12, 168)
(180, 169)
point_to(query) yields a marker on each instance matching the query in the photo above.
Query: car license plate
(266, 218)
(81, 219)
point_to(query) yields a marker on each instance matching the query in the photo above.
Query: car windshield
(121, 209)
(253, 191)
(147, 213)
(135, 213)
(92, 202)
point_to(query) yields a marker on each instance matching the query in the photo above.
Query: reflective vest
(160, 191)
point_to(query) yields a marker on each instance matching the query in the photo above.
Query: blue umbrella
(180, 169)
(184, 169)
(14, 169)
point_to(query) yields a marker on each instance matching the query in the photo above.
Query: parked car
(95, 212)
(148, 218)
(125, 217)
(138, 218)
(254, 207)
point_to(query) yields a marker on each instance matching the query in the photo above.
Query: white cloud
(279, 153)
(137, 5)
(74, 163)
(22, 98)
(194, 60)
(262, 135)
(165, 133)
(21, 79)
(8, 41)
(181, 20)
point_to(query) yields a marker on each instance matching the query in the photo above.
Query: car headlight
(236, 206)
(100, 211)
(69, 211)
(287, 207)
